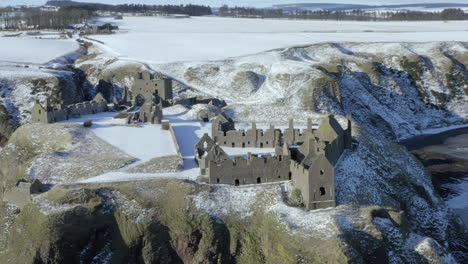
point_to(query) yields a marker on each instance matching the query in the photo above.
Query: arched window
(236, 182)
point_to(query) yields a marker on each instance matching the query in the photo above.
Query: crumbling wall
(225, 134)
(47, 114)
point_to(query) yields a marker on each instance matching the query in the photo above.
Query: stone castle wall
(47, 114)
(250, 170)
(306, 157)
(258, 138)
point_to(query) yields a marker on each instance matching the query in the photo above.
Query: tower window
(322, 172)
(322, 191)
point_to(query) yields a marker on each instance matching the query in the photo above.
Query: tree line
(39, 19)
(191, 10)
(356, 15)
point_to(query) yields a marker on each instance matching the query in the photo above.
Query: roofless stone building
(307, 157)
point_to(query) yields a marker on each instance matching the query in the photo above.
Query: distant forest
(356, 15)
(191, 10)
(76, 13)
(26, 17)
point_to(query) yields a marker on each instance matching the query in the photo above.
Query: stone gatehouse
(50, 114)
(306, 158)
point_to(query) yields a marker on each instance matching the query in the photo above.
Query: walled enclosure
(48, 114)
(306, 157)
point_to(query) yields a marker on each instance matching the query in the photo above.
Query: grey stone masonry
(47, 114)
(306, 157)
(147, 85)
(224, 133)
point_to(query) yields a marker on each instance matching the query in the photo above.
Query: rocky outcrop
(387, 211)
(396, 90)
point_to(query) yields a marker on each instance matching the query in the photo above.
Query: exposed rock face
(388, 211)
(21, 87)
(395, 90)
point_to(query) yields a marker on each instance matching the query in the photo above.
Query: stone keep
(147, 85)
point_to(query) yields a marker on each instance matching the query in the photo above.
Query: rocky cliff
(387, 211)
(394, 89)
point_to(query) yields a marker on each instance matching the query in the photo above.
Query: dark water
(445, 155)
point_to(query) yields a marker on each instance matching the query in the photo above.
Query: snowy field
(158, 40)
(27, 49)
(144, 143)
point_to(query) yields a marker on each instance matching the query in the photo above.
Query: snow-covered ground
(145, 142)
(26, 49)
(154, 39)
(188, 133)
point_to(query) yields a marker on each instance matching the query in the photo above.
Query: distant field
(212, 38)
(31, 50)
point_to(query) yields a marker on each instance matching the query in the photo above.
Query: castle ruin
(307, 157)
(50, 114)
(148, 85)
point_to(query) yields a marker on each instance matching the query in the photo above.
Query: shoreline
(421, 141)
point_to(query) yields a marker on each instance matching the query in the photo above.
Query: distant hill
(337, 6)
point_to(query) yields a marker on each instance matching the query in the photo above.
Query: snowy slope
(33, 50)
(400, 89)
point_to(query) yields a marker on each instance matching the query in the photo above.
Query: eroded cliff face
(394, 89)
(387, 211)
(20, 87)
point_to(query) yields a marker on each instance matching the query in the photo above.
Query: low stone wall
(176, 143)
